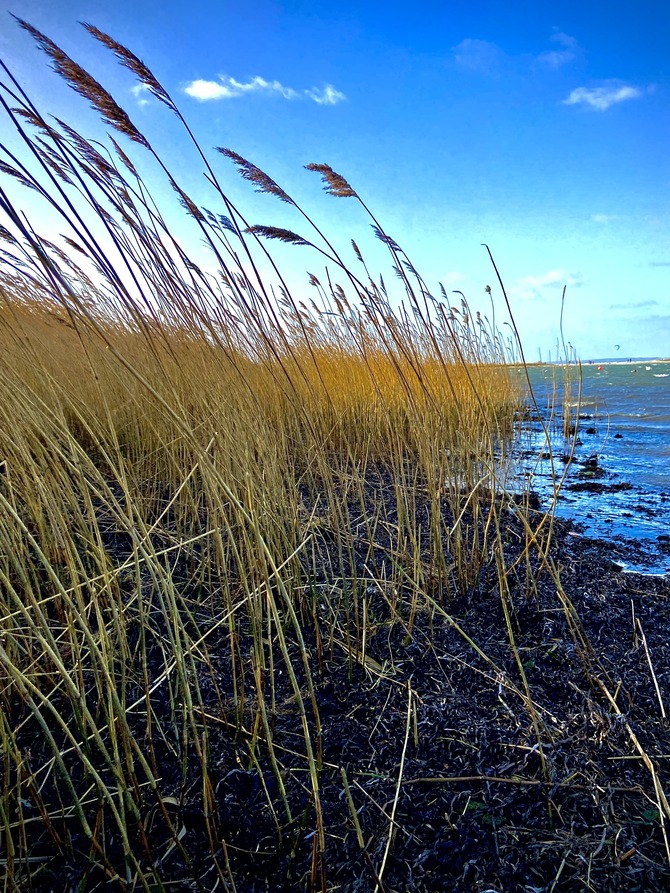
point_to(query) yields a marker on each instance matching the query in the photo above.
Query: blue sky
(539, 128)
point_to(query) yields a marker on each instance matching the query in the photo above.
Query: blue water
(622, 442)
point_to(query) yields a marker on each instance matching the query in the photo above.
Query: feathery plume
(88, 152)
(335, 183)
(255, 175)
(86, 85)
(17, 175)
(124, 158)
(51, 158)
(275, 232)
(75, 245)
(37, 122)
(383, 237)
(187, 202)
(220, 220)
(130, 61)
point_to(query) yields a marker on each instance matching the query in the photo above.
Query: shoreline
(607, 492)
(557, 364)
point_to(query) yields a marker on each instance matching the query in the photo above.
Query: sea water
(617, 486)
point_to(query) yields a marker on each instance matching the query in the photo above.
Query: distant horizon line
(593, 361)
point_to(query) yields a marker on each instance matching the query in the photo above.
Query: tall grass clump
(209, 488)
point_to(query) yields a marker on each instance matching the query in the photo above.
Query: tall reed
(208, 484)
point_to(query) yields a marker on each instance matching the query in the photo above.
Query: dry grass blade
(651, 669)
(380, 873)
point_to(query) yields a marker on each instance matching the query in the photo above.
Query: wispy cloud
(477, 55)
(568, 49)
(659, 263)
(139, 91)
(230, 88)
(485, 57)
(609, 93)
(633, 305)
(328, 96)
(605, 218)
(531, 287)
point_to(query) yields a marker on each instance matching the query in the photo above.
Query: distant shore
(607, 361)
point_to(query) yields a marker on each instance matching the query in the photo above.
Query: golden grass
(152, 475)
(186, 461)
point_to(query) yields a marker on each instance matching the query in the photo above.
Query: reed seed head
(86, 85)
(276, 232)
(255, 175)
(124, 158)
(130, 61)
(335, 183)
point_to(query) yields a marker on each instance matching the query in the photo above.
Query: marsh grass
(209, 488)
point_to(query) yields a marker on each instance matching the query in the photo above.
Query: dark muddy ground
(446, 761)
(470, 765)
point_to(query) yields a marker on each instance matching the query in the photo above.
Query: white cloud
(477, 55)
(328, 96)
(634, 305)
(230, 88)
(206, 90)
(567, 52)
(601, 98)
(139, 91)
(260, 85)
(530, 287)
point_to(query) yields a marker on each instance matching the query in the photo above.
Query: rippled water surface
(618, 485)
